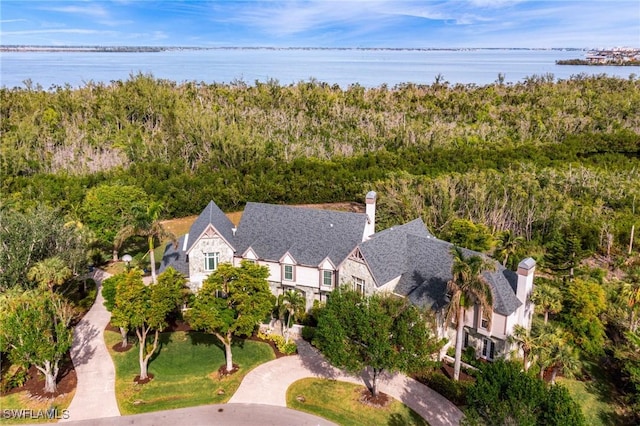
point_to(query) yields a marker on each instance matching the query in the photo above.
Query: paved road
(222, 414)
(268, 384)
(95, 395)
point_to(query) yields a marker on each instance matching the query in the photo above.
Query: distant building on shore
(614, 55)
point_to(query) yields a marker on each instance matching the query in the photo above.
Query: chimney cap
(527, 263)
(371, 196)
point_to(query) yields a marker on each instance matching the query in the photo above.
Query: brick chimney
(370, 227)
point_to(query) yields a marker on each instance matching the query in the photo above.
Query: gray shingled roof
(424, 263)
(386, 251)
(176, 257)
(309, 235)
(214, 216)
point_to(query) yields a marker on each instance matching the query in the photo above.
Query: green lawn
(22, 401)
(339, 402)
(185, 371)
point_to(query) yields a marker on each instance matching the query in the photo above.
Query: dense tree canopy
(231, 303)
(383, 332)
(503, 395)
(34, 330)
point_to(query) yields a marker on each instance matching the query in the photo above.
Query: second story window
(327, 278)
(211, 261)
(358, 284)
(484, 322)
(287, 272)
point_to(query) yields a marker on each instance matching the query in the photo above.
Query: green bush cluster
(308, 333)
(14, 377)
(289, 348)
(455, 392)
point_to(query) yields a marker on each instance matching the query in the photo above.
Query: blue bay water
(368, 68)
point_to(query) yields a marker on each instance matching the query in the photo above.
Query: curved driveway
(260, 399)
(268, 384)
(95, 395)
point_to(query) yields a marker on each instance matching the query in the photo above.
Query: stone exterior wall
(213, 244)
(352, 268)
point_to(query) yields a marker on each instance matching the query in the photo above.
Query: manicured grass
(339, 402)
(21, 401)
(185, 371)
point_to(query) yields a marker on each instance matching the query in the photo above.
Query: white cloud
(93, 10)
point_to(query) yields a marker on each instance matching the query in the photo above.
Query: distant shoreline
(151, 49)
(598, 64)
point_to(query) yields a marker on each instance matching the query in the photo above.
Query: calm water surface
(369, 68)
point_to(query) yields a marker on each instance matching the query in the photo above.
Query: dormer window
(327, 278)
(287, 272)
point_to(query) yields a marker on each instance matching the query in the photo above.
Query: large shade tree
(383, 332)
(144, 309)
(231, 302)
(107, 209)
(146, 223)
(466, 288)
(34, 330)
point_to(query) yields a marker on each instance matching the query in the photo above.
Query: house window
(488, 349)
(211, 261)
(484, 322)
(327, 278)
(466, 339)
(287, 274)
(358, 284)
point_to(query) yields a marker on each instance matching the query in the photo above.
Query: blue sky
(322, 23)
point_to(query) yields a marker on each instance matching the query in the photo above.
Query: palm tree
(547, 299)
(508, 243)
(50, 272)
(631, 293)
(466, 288)
(147, 224)
(293, 306)
(525, 341)
(563, 356)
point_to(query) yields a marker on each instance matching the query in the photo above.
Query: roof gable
(211, 218)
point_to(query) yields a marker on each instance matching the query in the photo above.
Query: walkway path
(95, 395)
(268, 384)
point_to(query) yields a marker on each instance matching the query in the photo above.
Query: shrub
(280, 342)
(13, 378)
(455, 392)
(308, 333)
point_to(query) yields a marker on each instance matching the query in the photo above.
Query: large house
(314, 251)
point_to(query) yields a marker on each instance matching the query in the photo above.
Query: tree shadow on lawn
(598, 381)
(163, 340)
(207, 339)
(318, 365)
